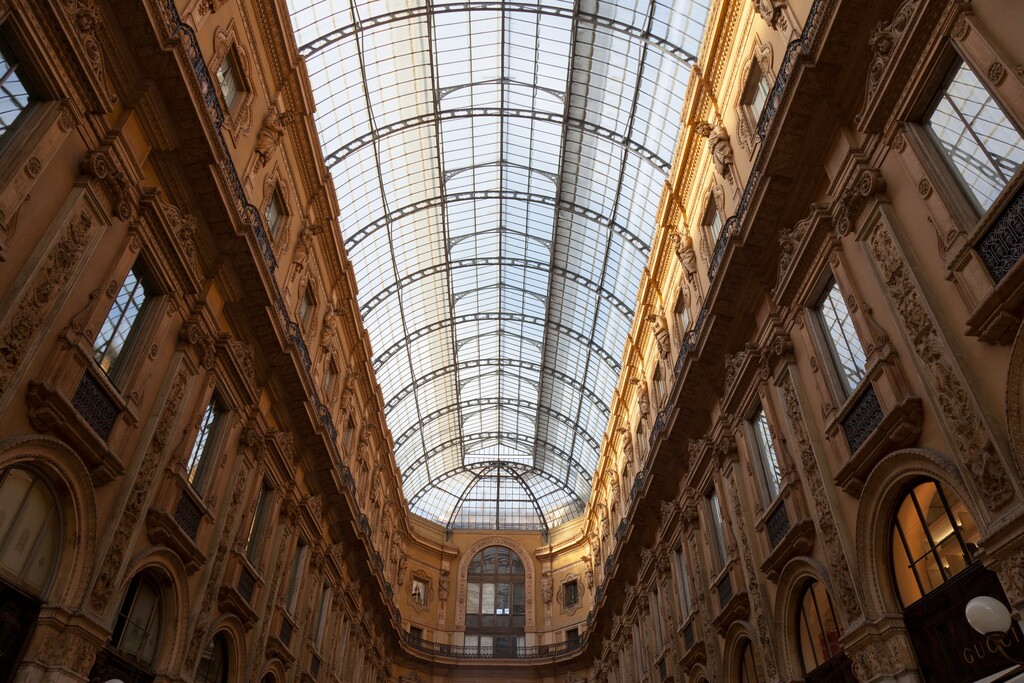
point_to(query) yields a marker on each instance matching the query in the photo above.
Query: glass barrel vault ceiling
(498, 167)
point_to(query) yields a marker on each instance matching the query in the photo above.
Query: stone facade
(284, 537)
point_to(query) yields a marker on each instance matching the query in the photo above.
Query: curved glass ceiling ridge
(498, 166)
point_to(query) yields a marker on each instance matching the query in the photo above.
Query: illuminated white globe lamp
(988, 616)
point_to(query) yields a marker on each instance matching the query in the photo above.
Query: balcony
(493, 652)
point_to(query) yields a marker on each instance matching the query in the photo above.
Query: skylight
(498, 167)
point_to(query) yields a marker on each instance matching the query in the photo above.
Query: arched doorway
(934, 571)
(29, 549)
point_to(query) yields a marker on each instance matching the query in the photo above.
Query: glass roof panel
(498, 166)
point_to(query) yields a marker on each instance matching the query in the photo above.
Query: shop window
(979, 142)
(817, 627)
(199, 460)
(769, 459)
(274, 214)
(213, 665)
(748, 665)
(714, 514)
(15, 92)
(571, 591)
(755, 94)
(137, 630)
(120, 328)
(29, 530)
(229, 79)
(844, 345)
(258, 524)
(934, 537)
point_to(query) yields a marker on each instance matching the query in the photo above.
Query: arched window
(934, 537)
(29, 530)
(817, 627)
(748, 665)
(495, 602)
(213, 666)
(137, 630)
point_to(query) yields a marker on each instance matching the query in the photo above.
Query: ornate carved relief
(839, 567)
(213, 579)
(119, 543)
(847, 207)
(771, 12)
(974, 444)
(24, 321)
(270, 137)
(884, 38)
(685, 252)
(753, 588)
(720, 148)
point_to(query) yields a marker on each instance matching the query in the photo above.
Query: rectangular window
(342, 641)
(572, 638)
(659, 642)
(766, 451)
(683, 582)
(844, 344)
(294, 577)
(273, 214)
(638, 651)
(116, 333)
(257, 528)
(201, 455)
(330, 377)
(306, 305)
(416, 634)
(712, 224)
(321, 616)
(756, 94)
(348, 433)
(14, 96)
(682, 316)
(227, 77)
(980, 143)
(572, 593)
(717, 530)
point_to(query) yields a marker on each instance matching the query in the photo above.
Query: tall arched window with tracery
(495, 603)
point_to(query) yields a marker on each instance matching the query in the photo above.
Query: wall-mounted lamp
(991, 618)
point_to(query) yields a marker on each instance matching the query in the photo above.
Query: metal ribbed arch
(561, 478)
(530, 264)
(490, 195)
(498, 168)
(339, 155)
(494, 402)
(492, 363)
(576, 14)
(400, 345)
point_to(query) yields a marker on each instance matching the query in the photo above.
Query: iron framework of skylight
(498, 167)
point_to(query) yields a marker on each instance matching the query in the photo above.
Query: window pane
(227, 76)
(120, 321)
(847, 352)
(14, 98)
(473, 599)
(487, 598)
(981, 144)
(718, 544)
(198, 456)
(769, 459)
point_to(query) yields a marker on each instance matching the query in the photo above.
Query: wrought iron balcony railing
(493, 651)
